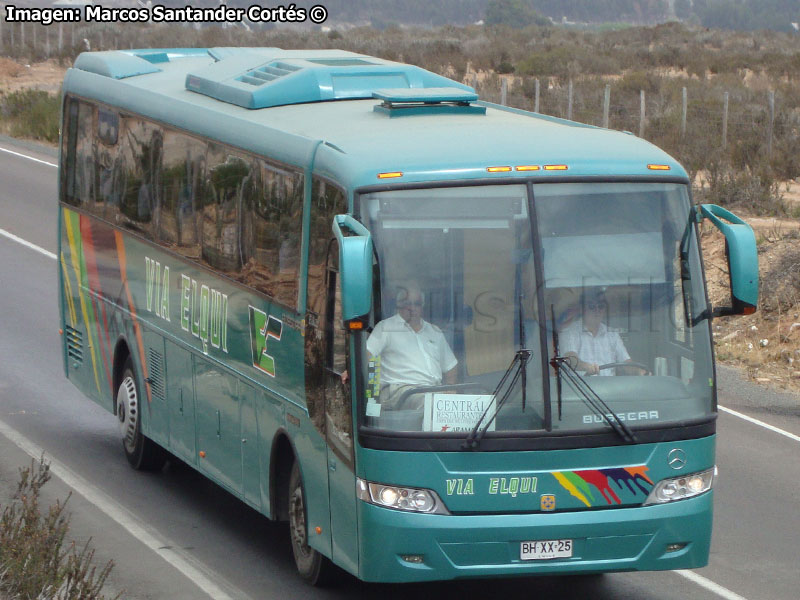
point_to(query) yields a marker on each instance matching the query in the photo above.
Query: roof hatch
(447, 100)
(266, 77)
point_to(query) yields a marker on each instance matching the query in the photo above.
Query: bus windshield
(481, 288)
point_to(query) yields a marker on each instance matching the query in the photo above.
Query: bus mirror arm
(742, 257)
(355, 266)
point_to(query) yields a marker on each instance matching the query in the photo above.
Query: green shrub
(35, 560)
(32, 114)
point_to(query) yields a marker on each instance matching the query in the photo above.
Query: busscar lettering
(642, 415)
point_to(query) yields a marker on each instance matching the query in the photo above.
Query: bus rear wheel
(312, 566)
(142, 453)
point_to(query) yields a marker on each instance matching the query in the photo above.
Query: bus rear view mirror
(355, 266)
(742, 257)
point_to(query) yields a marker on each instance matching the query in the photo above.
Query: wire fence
(698, 122)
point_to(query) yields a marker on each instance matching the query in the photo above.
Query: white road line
(791, 436)
(710, 585)
(191, 569)
(19, 240)
(44, 162)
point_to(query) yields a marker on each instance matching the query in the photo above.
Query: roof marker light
(390, 175)
(498, 169)
(555, 167)
(659, 167)
(527, 168)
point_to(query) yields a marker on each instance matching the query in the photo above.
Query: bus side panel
(270, 417)
(157, 414)
(251, 465)
(180, 402)
(86, 325)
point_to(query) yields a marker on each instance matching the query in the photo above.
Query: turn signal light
(527, 168)
(390, 175)
(659, 167)
(555, 167)
(498, 169)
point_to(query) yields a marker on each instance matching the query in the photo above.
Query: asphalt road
(175, 535)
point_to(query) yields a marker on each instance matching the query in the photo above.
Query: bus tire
(311, 565)
(142, 453)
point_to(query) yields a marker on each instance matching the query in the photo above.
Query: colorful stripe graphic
(580, 483)
(72, 222)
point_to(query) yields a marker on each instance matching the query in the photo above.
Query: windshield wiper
(588, 395)
(519, 368)
(593, 400)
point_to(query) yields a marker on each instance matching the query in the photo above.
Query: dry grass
(36, 561)
(766, 343)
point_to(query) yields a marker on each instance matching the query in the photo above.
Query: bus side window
(337, 388)
(108, 171)
(226, 176)
(180, 179)
(271, 231)
(326, 201)
(68, 150)
(140, 152)
(80, 170)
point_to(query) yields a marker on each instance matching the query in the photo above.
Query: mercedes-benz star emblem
(676, 458)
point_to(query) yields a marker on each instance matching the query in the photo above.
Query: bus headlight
(400, 498)
(679, 488)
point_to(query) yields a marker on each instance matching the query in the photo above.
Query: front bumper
(487, 546)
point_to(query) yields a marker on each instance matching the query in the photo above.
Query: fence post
(724, 120)
(771, 122)
(22, 36)
(606, 104)
(475, 82)
(503, 91)
(683, 113)
(536, 96)
(641, 113)
(569, 101)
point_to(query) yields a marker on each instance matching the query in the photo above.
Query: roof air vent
(414, 101)
(262, 75)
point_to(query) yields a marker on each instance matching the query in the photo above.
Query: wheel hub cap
(127, 409)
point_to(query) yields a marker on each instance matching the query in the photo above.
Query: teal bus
(360, 299)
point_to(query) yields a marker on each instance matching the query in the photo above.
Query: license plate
(545, 549)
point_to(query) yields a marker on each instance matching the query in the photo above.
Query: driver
(413, 352)
(591, 342)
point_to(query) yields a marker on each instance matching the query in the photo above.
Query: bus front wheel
(312, 566)
(141, 452)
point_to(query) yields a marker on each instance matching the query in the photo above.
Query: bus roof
(354, 117)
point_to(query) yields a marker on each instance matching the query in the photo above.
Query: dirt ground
(767, 343)
(45, 76)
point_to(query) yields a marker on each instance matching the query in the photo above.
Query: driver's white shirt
(603, 348)
(408, 356)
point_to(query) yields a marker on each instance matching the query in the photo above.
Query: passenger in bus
(589, 341)
(412, 352)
